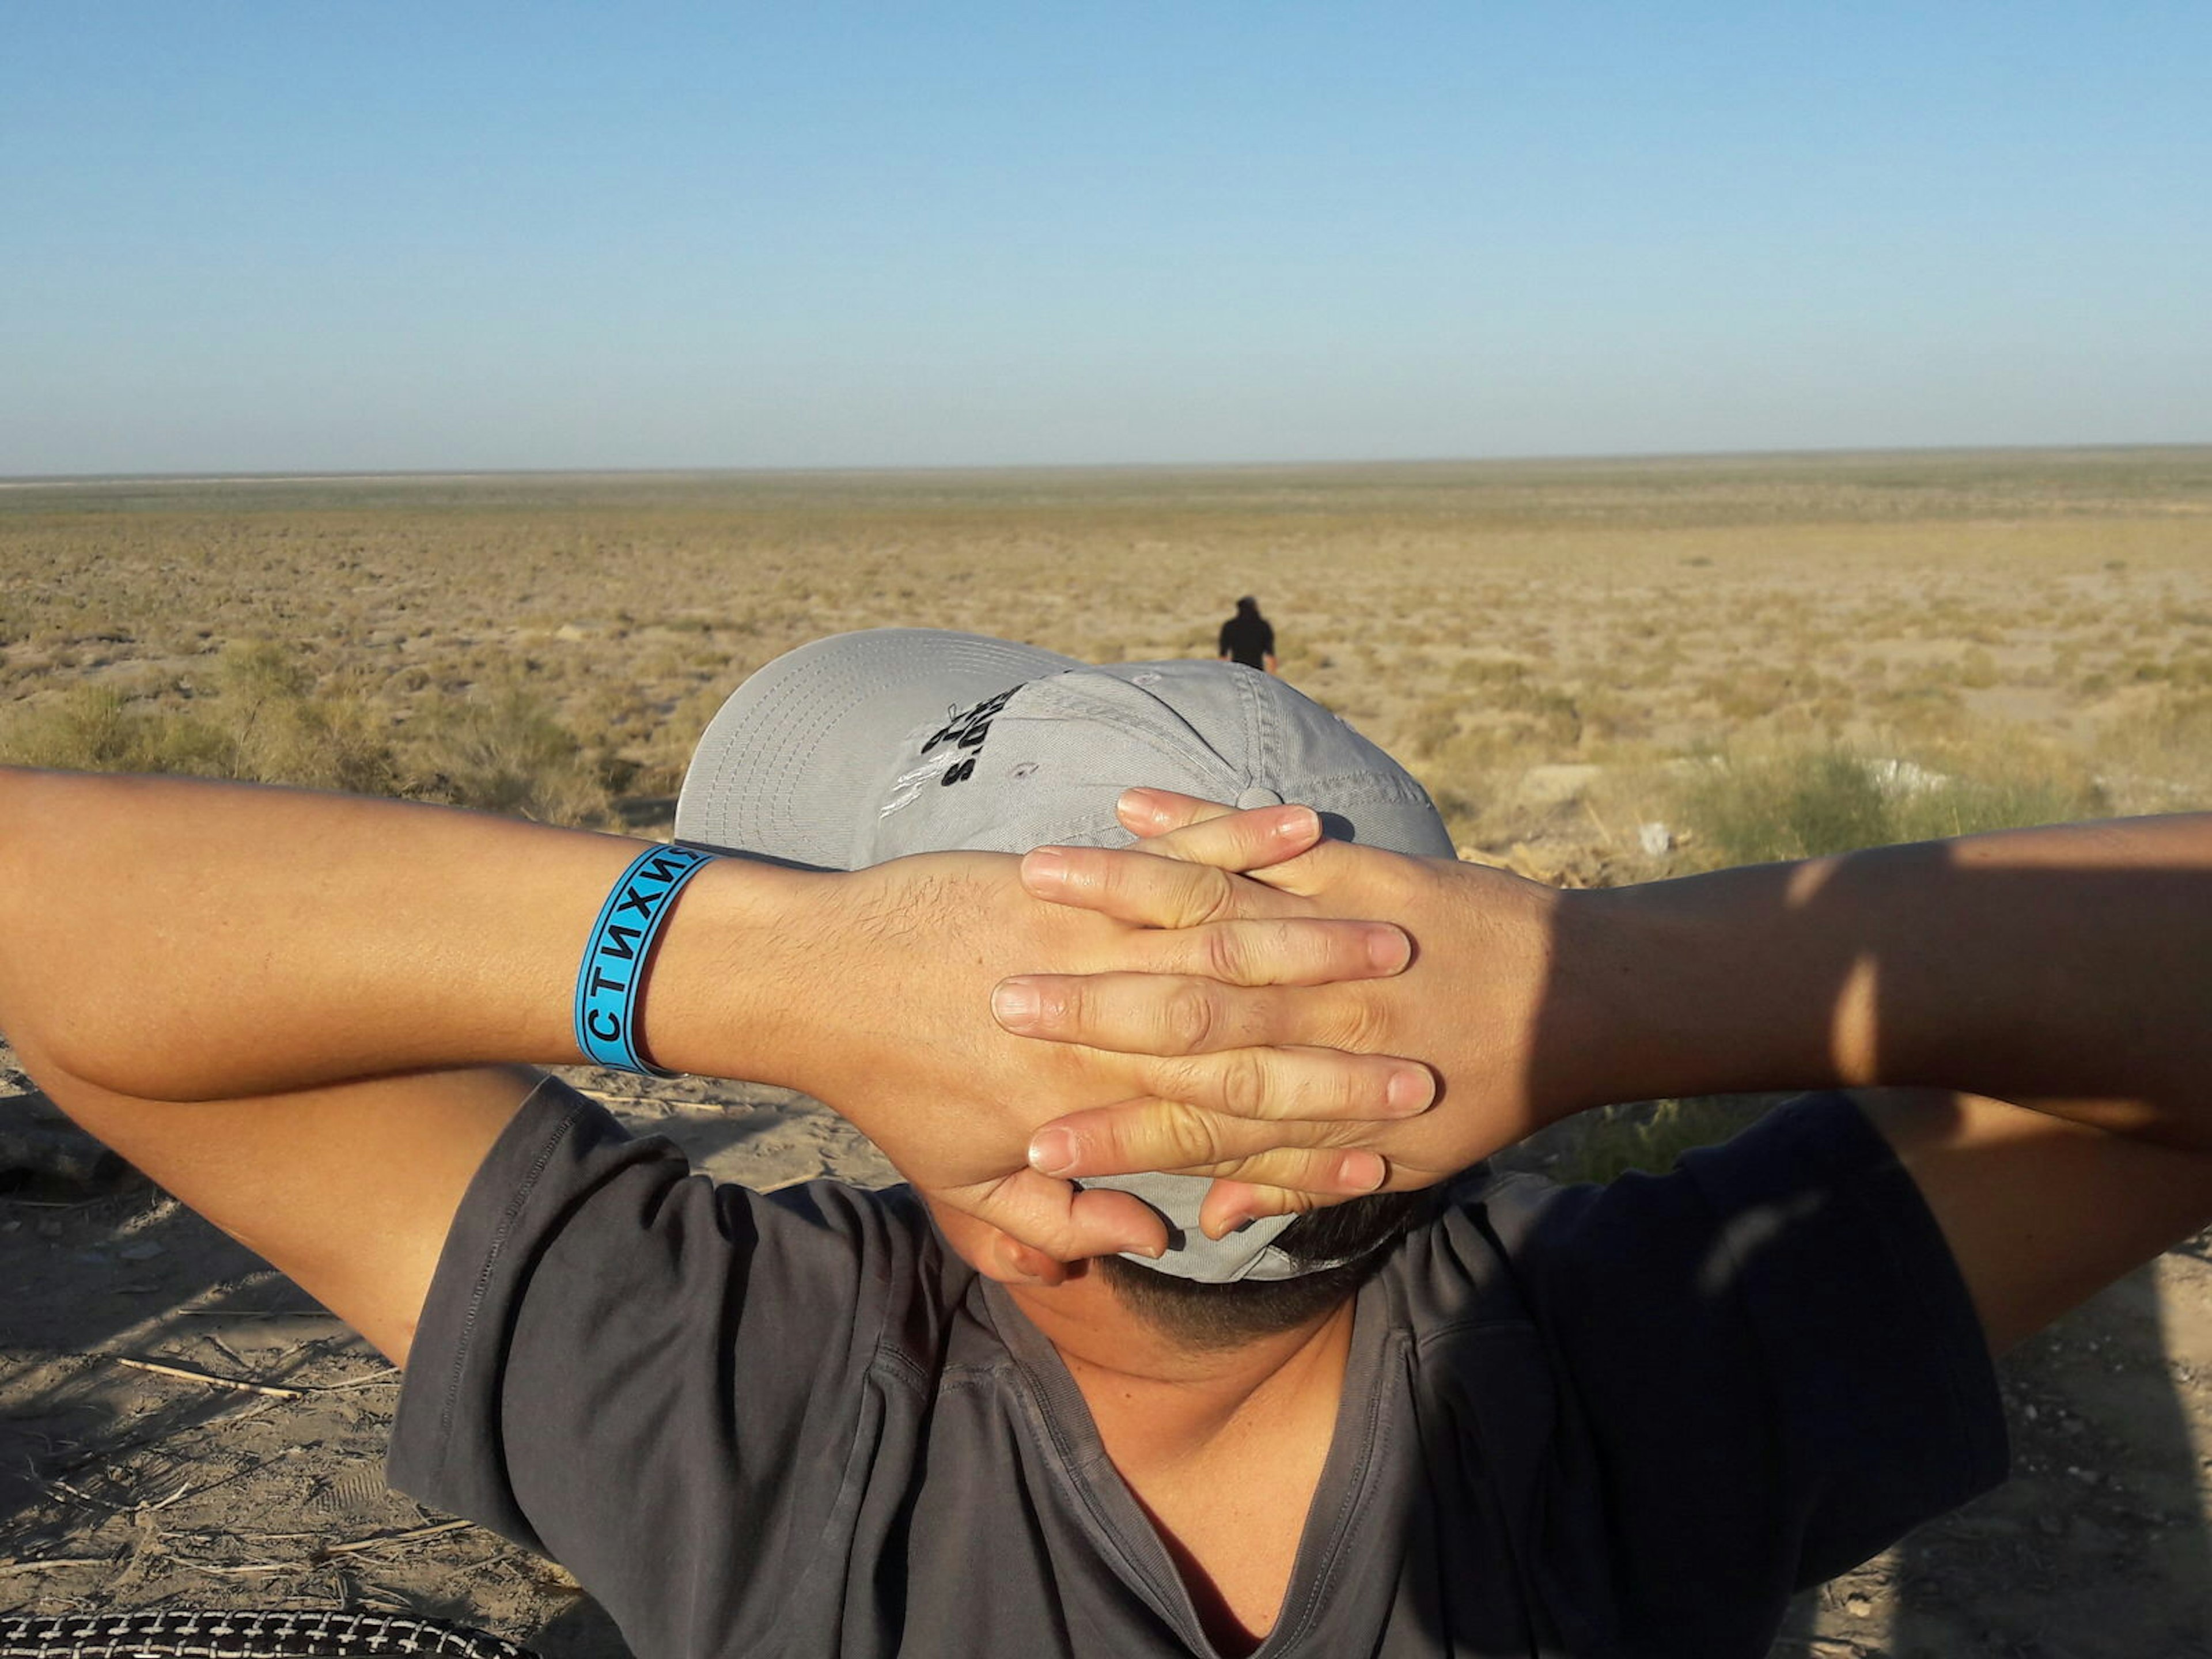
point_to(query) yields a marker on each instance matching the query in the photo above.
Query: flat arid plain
(1605, 671)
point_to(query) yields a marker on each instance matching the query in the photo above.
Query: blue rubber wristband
(612, 975)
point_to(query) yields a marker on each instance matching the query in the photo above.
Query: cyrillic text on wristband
(612, 973)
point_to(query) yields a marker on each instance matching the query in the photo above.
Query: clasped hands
(1302, 1020)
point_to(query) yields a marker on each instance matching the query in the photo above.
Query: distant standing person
(1247, 637)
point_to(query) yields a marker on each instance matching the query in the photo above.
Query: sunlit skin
(268, 1004)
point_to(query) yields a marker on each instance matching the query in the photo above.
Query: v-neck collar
(1110, 1514)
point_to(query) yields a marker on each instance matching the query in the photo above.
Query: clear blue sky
(361, 236)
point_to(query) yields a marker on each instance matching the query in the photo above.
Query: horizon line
(380, 475)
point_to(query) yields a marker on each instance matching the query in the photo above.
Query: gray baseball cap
(864, 747)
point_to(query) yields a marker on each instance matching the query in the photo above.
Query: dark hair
(1223, 1315)
(1247, 607)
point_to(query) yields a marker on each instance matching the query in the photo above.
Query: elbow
(65, 1005)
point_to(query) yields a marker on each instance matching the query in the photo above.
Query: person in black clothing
(1247, 637)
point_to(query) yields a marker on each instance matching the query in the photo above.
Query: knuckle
(1222, 951)
(1350, 1136)
(1346, 1088)
(1185, 1077)
(1275, 1199)
(1063, 1004)
(1256, 1169)
(1244, 1082)
(1108, 1138)
(1204, 1134)
(1191, 1017)
(1363, 1086)
(1360, 1022)
(1187, 1135)
(1299, 952)
(1216, 896)
(1179, 901)
(1349, 952)
(1113, 880)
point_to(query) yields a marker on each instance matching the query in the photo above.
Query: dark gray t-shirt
(1581, 1421)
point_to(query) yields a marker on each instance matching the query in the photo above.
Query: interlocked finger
(1316, 1157)
(1281, 953)
(1310, 1178)
(1066, 1222)
(1171, 1014)
(1186, 828)
(1167, 1134)
(1286, 1085)
(1152, 813)
(1230, 1204)
(1228, 840)
(1147, 891)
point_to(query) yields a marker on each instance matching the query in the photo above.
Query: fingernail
(1361, 1172)
(1387, 949)
(1017, 1003)
(1047, 866)
(1411, 1091)
(1236, 1221)
(1052, 1150)
(1297, 823)
(1140, 804)
(1147, 1246)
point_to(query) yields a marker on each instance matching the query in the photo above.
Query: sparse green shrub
(1793, 804)
(1552, 717)
(1809, 802)
(282, 726)
(2162, 759)
(2005, 800)
(101, 728)
(507, 751)
(263, 720)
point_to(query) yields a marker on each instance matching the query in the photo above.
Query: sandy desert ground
(1561, 651)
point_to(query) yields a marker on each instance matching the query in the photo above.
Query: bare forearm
(2066, 967)
(183, 940)
(164, 941)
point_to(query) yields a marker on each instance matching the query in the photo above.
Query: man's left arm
(2040, 1211)
(2065, 969)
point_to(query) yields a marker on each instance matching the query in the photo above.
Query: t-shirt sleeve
(657, 1382)
(1771, 1370)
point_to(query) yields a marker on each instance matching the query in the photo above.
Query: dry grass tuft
(1810, 800)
